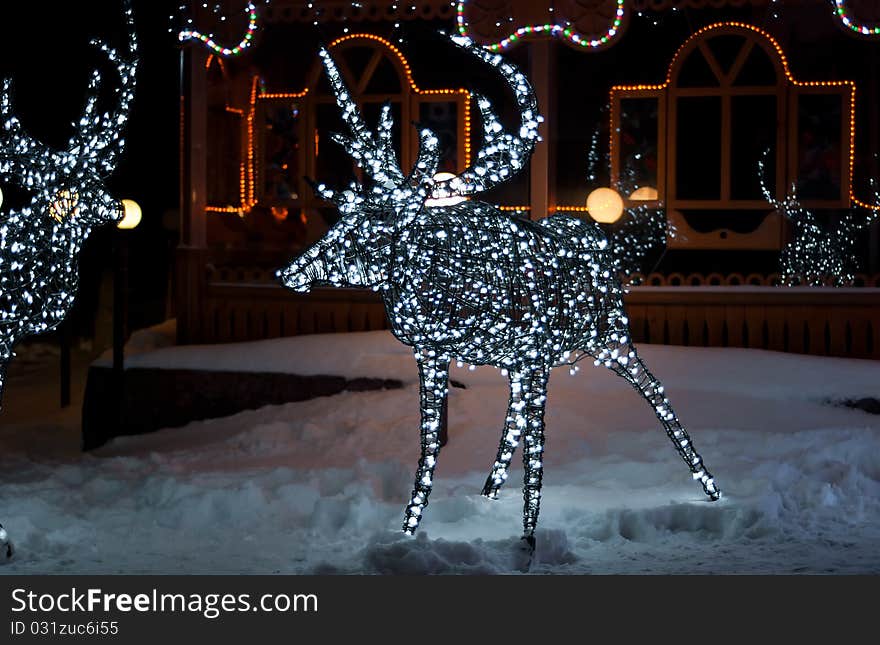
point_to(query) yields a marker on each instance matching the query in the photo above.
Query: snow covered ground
(319, 486)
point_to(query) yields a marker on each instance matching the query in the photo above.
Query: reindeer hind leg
(623, 360)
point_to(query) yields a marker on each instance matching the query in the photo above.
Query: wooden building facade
(682, 105)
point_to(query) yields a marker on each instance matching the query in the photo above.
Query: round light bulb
(605, 205)
(444, 201)
(132, 214)
(644, 194)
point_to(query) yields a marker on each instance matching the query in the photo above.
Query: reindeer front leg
(525, 415)
(434, 379)
(514, 424)
(535, 400)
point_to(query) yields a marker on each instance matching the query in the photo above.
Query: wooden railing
(731, 280)
(807, 320)
(245, 305)
(237, 312)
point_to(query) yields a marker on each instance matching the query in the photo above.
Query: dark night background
(45, 50)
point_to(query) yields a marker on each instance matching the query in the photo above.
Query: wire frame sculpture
(40, 244)
(637, 241)
(467, 282)
(816, 255)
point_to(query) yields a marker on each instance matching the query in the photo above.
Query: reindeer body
(468, 282)
(463, 303)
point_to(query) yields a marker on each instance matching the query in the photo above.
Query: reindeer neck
(70, 238)
(49, 253)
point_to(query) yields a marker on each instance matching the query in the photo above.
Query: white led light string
(643, 229)
(817, 255)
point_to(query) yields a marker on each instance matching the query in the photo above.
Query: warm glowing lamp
(605, 205)
(132, 214)
(444, 201)
(644, 194)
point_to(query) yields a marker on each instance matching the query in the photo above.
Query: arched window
(697, 138)
(292, 129)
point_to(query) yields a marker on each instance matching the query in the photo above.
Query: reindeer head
(67, 185)
(356, 250)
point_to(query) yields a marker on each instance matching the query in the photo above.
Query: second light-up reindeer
(467, 282)
(40, 244)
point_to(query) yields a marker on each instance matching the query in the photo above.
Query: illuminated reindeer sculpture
(468, 282)
(40, 244)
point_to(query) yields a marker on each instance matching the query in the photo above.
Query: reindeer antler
(405, 195)
(502, 154)
(96, 141)
(100, 137)
(20, 154)
(790, 205)
(375, 157)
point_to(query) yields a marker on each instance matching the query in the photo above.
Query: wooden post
(120, 311)
(64, 362)
(873, 165)
(542, 186)
(193, 186)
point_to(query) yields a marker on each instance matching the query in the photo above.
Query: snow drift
(319, 486)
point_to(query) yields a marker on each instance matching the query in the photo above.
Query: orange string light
(223, 209)
(283, 95)
(250, 145)
(571, 209)
(247, 187)
(246, 180)
(212, 58)
(783, 59)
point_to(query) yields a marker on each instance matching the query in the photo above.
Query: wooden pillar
(873, 151)
(191, 252)
(542, 186)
